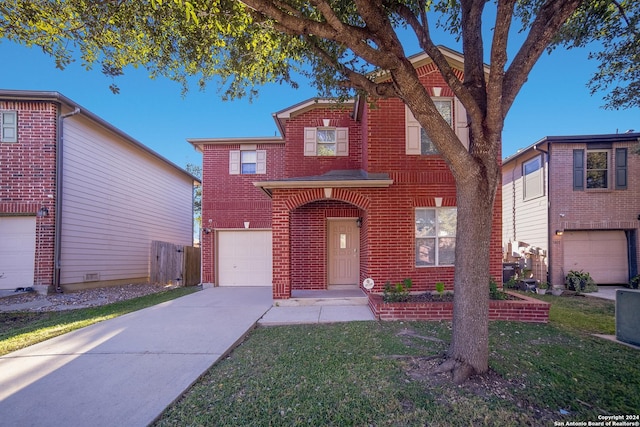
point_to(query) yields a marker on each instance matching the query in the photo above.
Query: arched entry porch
(319, 239)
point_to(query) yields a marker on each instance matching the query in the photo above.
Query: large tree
(337, 44)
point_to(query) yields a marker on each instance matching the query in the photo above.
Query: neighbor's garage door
(17, 251)
(603, 254)
(244, 258)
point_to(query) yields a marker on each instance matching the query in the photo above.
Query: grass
(22, 329)
(377, 373)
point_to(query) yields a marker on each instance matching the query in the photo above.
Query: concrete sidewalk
(126, 371)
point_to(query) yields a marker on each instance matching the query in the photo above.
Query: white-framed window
(417, 140)
(435, 235)
(247, 162)
(597, 169)
(533, 178)
(8, 126)
(326, 141)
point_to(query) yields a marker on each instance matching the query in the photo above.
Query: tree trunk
(469, 351)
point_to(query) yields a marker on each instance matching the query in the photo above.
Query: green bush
(398, 292)
(512, 283)
(494, 292)
(634, 282)
(580, 282)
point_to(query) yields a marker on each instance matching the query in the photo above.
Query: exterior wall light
(559, 232)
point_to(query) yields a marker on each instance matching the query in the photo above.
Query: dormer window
(326, 141)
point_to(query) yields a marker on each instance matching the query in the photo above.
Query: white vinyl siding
(8, 126)
(313, 147)
(531, 214)
(117, 199)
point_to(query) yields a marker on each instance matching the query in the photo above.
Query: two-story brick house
(573, 203)
(80, 200)
(349, 191)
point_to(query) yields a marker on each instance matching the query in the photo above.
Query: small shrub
(398, 292)
(635, 282)
(580, 281)
(440, 287)
(494, 292)
(512, 283)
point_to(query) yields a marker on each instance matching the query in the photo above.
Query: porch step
(352, 296)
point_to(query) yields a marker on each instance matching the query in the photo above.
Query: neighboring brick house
(81, 201)
(350, 191)
(573, 203)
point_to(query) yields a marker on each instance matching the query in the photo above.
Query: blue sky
(554, 101)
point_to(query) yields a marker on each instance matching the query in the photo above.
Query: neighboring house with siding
(80, 200)
(349, 191)
(573, 203)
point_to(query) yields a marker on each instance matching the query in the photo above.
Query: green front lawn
(378, 373)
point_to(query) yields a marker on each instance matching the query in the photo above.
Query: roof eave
(52, 96)
(269, 186)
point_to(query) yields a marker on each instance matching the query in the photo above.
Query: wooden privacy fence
(174, 264)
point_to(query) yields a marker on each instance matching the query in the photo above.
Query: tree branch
(427, 45)
(552, 15)
(352, 36)
(504, 15)
(355, 79)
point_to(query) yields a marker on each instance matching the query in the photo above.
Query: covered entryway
(601, 253)
(17, 251)
(343, 252)
(244, 258)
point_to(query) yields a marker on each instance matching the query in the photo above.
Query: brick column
(281, 249)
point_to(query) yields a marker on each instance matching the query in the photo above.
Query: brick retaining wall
(524, 309)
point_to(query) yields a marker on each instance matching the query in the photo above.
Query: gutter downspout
(57, 239)
(548, 194)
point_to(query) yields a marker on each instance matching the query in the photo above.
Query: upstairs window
(8, 126)
(435, 234)
(533, 178)
(597, 169)
(594, 169)
(417, 140)
(247, 162)
(326, 141)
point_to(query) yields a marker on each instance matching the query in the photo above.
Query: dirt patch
(34, 302)
(487, 387)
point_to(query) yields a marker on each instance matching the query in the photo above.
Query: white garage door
(17, 251)
(244, 258)
(603, 254)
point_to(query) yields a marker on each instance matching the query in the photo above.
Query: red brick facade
(593, 209)
(298, 216)
(27, 176)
